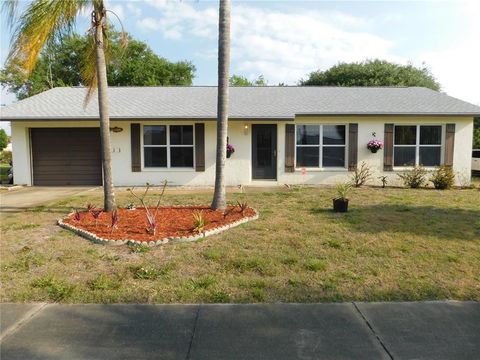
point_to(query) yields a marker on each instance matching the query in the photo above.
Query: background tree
(220, 197)
(59, 64)
(238, 80)
(44, 21)
(3, 139)
(372, 73)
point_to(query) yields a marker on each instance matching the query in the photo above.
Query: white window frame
(320, 147)
(168, 146)
(417, 145)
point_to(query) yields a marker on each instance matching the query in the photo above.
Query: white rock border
(98, 240)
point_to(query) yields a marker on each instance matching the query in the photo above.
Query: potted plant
(340, 203)
(230, 150)
(374, 145)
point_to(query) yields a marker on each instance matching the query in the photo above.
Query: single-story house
(281, 135)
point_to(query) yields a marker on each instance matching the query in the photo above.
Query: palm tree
(219, 197)
(45, 21)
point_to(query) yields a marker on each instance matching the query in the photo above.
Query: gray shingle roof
(245, 103)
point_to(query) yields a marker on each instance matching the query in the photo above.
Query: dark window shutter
(388, 148)
(199, 147)
(352, 146)
(135, 147)
(449, 144)
(289, 148)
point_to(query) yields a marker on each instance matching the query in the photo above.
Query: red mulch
(172, 222)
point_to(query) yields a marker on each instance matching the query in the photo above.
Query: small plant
(90, 207)
(96, 214)
(443, 177)
(115, 219)
(361, 175)
(414, 178)
(199, 221)
(342, 191)
(130, 206)
(77, 216)
(243, 205)
(384, 180)
(340, 203)
(151, 216)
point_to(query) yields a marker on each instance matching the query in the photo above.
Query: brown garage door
(66, 156)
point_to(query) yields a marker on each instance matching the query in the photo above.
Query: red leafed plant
(77, 216)
(115, 219)
(96, 214)
(151, 216)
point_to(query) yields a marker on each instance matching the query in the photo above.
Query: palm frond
(10, 9)
(42, 21)
(88, 68)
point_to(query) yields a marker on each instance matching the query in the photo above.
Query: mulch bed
(172, 222)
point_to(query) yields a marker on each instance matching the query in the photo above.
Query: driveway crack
(373, 331)
(193, 334)
(27, 317)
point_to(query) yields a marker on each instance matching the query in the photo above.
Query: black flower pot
(340, 205)
(374, 150)
(229, 153)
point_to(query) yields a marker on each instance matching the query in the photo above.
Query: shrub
(361, 175)
(342, 191)
(443, 177)
(199, 221)
(6, 157)
(414, 178)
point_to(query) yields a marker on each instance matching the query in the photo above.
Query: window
(417, 145)
(320, 146)
(168, 145)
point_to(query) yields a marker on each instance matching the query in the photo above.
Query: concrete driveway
(411, 330)
(29, 197)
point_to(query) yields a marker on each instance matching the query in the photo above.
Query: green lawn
(394, 244)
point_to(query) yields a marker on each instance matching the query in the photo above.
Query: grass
(393, 244)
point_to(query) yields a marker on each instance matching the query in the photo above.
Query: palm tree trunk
(108, 194)
(219, 197)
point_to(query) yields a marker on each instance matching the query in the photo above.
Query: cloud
(456, 66)
(134, 10)
(283, 46)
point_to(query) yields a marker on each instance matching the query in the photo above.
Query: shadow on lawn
(447, 223)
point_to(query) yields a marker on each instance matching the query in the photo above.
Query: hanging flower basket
(374, 145)
(230, 150)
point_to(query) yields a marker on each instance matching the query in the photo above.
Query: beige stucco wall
(239, 165)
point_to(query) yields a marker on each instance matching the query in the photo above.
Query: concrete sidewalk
(31, 196)
(420, 330)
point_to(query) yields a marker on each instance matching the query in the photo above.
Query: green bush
(414, 178)
(6, 157)
(443, 177)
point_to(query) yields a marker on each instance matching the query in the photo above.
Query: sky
(286, 40)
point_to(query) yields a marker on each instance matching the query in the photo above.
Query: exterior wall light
(116, 129)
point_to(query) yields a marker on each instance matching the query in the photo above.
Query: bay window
(417, 145)
(168, 146)
(320, 146)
